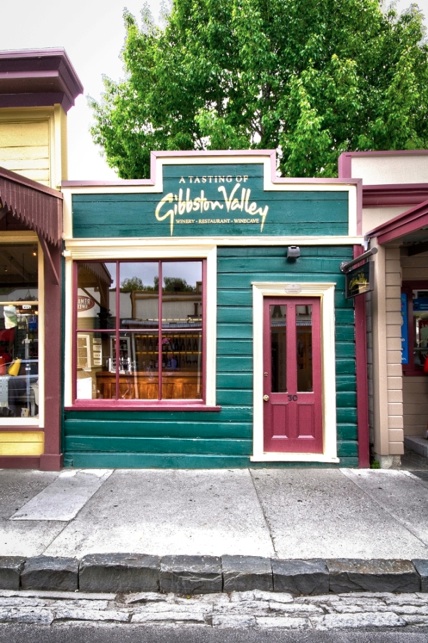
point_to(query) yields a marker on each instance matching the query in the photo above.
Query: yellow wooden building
(37, 88)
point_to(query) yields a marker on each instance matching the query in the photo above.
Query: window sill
(19, 424)
(117, 405)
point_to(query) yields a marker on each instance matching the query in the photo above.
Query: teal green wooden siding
(184, 439)
(312, 212)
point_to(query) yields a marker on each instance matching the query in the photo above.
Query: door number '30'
(292, 398)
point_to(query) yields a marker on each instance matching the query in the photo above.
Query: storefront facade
(395, 223)
(206, 322)
(36, 90)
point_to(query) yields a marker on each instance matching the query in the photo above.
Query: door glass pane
(278, 348)
(304, 348)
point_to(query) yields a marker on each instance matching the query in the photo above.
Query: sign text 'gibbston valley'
(191, 206)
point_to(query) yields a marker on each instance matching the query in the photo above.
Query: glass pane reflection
(278, 348)
(150, 343)
(304, 348)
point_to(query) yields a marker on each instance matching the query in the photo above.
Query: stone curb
(211, 574)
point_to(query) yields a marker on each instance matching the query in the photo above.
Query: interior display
(121, 358)
(414, 327)
(19, 331)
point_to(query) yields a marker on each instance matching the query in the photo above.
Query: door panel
(292, 375)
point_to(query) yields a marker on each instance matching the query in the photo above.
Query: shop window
(414, 336)
(19, 330)
(139, 332)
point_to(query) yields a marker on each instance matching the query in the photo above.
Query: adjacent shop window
(139, 331)
(414, 328)
(19, 330)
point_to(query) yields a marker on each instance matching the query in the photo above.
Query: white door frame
(325, 291)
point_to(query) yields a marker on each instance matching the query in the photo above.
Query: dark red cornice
(388, 194)
(400, 195)
(38, 78)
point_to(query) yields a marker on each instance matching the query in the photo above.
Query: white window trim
(104, 249)
(325, 291)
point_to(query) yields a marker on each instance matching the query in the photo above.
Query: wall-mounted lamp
(293, 253)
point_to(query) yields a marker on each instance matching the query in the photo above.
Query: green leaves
(311, 78)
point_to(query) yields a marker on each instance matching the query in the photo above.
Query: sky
(92, 33)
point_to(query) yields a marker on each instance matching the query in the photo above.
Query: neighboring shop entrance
(292, 382)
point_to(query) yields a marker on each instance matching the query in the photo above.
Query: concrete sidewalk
(374, 518)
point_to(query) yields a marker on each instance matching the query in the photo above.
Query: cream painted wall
(33, 143)
(374, 217)
(382, 169)
(384, 357)
(393, 348)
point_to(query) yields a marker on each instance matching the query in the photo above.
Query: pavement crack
(265, 518)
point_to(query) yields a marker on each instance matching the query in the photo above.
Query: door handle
(265, 398)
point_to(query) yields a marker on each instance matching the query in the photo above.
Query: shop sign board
(217, 199)
(359, 280)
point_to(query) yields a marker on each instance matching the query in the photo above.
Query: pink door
(292, 375)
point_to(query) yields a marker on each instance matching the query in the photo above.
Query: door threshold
(293, 457)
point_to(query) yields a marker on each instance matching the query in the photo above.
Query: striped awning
(36, 206)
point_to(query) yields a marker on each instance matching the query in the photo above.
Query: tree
(171, 284)
(309, 78)
(131, 283)
(177, 284)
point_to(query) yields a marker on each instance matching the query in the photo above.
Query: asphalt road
(95, 633)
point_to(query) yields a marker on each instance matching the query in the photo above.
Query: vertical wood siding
(223, 439)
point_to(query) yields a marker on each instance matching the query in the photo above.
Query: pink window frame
(139, 405)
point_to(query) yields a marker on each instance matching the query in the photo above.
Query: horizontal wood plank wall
(21, 443)
(132, 215)
(415, 416)
(394, 346)
(25, 149)
(223, 439)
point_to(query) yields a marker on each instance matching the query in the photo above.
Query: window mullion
(160, 333)
(117, 330)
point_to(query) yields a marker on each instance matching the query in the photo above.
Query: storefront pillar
(379, 362)
(52, 458)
